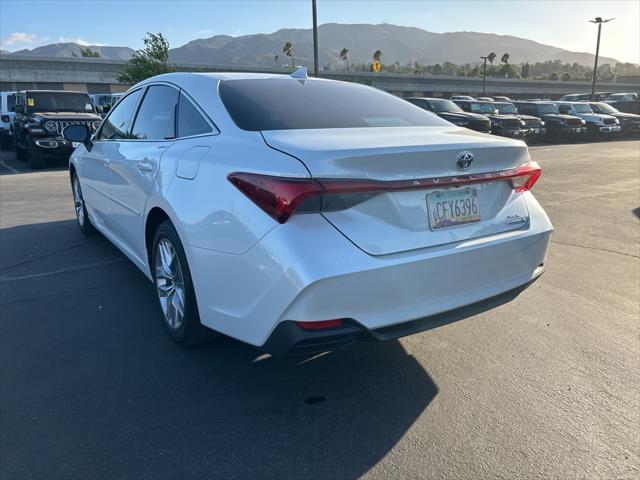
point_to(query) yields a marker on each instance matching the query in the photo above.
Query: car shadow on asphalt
(101, 391)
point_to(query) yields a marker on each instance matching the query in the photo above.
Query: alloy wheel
(170, 283)
(77, 200)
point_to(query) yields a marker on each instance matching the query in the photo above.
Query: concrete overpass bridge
(98, 75)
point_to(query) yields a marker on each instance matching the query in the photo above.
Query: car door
(96, 176)
(137, 162)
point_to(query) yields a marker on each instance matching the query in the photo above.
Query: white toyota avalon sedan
(301, 214)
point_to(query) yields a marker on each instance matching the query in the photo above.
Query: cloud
(18, 39)
(80, 41)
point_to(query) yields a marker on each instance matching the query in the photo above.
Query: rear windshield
(288, 104)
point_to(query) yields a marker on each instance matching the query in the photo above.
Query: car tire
(21, 153)
(5, 142)
(174, 288)
(82, 216)
(35, 158)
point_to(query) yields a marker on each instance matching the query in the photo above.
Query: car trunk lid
(399, 220)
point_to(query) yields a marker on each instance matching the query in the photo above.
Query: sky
(564, 24)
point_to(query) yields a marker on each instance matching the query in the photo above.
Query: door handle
(144, 166)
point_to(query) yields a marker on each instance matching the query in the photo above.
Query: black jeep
(41, 116)
(503, 125)
(559, 126)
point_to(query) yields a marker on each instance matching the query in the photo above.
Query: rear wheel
(174, 288)
(80, 208)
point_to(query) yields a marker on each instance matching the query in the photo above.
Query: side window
(116, 125)
(565, 109)
(156, 115)
(11, 101)
(190, 121)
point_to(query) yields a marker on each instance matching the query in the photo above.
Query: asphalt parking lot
(543, 387)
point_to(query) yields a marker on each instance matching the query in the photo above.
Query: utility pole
(315, 37)
(599, 21)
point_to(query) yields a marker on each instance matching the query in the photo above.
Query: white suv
(7, 101)
(597, 123)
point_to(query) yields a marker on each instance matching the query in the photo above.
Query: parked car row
(32, 121)
(533, 120)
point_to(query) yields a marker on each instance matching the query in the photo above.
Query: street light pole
(315, 37)
(599, 21)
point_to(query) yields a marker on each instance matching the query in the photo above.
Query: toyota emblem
(464, 160)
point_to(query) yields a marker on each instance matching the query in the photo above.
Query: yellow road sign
(376, 66)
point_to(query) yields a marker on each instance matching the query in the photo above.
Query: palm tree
(505, 60)
(344, 55)
(277, 59)
(491, 57)
(377, 55)
(288, 51)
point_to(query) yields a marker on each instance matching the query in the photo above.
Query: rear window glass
(288, 104)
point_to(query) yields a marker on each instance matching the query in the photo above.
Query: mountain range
(397, 43)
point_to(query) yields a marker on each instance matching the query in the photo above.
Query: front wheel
(175, 288)
(80, 207)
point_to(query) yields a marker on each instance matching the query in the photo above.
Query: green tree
(88, 53)
(344, 55)
(377, 55)
(277, 59)
(288, 51)
(151, 60)
(505, 59)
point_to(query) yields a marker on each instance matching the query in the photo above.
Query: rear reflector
(320, 325)
(280, 197)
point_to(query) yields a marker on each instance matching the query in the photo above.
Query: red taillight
(320, 325)
(280, 197)
(5, 118)
(526, 176)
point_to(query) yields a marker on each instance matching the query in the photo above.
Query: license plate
(453, 208)
(75, 144)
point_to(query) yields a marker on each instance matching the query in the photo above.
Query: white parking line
(8, 167)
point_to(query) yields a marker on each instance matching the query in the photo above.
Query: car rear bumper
(289, 339)
(305, 270)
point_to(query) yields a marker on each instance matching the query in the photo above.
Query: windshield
(58, 102)
(288, 104)
(486, 108)
(444, 106)
(582, 108)
(603, 108)
(547, 108)
(506, 108)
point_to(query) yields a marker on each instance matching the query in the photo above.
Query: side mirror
(99, 109)
(77, 133)
(18, 109)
